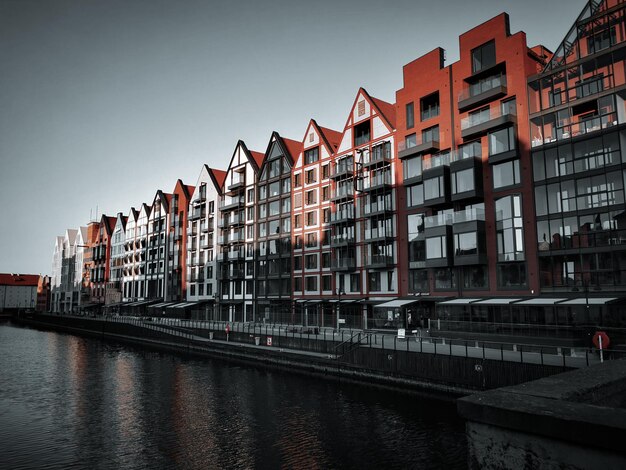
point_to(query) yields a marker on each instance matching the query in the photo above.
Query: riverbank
(416, 367)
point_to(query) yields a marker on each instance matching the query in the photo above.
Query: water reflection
(70, 402)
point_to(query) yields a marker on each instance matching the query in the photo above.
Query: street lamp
(339, 292)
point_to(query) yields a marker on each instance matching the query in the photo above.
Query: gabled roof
(7, 279)
(109, 223)
(387, 110)
(70, 235)
(146, 208)
(290, 148)
(218, 177)
(258, 157)
(121, 218)
(331, 136)
(165, 198)
(255, 158)
(566, 48)
(133, 214)
(293, 147)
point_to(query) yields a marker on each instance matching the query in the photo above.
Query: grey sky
(102, 102)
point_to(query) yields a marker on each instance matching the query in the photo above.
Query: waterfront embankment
(419, 364)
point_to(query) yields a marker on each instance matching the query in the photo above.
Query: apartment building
(237, 235)
(202, 245)
(115, 284)
(312, 218)
(156, 251)
(101, 258)
(177, 243)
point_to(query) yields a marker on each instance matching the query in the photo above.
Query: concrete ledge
(576, 411)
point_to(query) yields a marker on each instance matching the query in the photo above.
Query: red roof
(258, 157)
(19, 279)
(219, 176)
(294, 147)
(332, 136)
(388, 110)
(190, 189)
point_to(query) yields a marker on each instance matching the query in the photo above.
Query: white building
(18, 291)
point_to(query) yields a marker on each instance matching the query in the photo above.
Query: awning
(589, 301)
(541, 301)
(186, 304)
(461, 301)
(498, 301)
(162, 305)
(396, 303)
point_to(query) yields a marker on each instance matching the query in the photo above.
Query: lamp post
(340, 292)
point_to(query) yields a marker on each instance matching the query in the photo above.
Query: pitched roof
(219, 177)
(190, 189)
(332, 136)
(7, 279)
(258, 157)
(293, 147)
(388, 110)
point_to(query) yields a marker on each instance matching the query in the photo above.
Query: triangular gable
(219, 178)
(288, 147)
(108, 222)
(315, 135)
(70, 236)
(120, 221)
(366, 107)
(133, 215)
(241, 151)
(567, 46)
(162, 198)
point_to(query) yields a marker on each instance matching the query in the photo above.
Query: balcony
(342, 170)
(376, 208)
(379, 262)
(236, 186)
(207, 244)
(343, 264)
(235, 220)
(436, 161)
(423, 144)
(235, 255)
(379, 156)
(482, 92)
(377, 234)
(575, 129)
(482, 122)
(439, 220)
(342, 239)
(466, 152)
(342, 216)
(232, 203)
(342, 192)
(374, 183)
(469, 215)
(197, 213)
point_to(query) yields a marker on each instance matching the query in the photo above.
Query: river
(71, 402)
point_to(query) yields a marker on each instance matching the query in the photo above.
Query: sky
(103, 102)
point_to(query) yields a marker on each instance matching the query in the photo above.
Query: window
(434, 188)
(601, 40)
(297, 200)
(431, 134)
(311, 218)
(511, 275)
(361, 133)
(311, 197)
(412, 167)
(436, 247)
(297, 180)
(325, 260)
(374, 283)
(463, 181)
(326, 237)
(327, 282)
(297, 221)
(506, 174)
(484, 56)
(326, 215)
(311, 240)
(310, 261)
(430, 106)
(297, 263)
(311, 283)
(410, 141)
(262, 192)
(297, 284)
(311, 176)
(465, 244)
(286, 223)
(285, 206)
(355, 284)
(325, 171)
(478, 117)
(311, 155)
(509, 230)
(502, 140)
(410, 115)
(325, 193)
(415, 195)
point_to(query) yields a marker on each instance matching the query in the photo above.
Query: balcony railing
(374, 233)
(342, 239)
(442, 159)
(378, 154)
(483, 90)
(376, 208)
(231, 203)
(438, 220)
(575, 129)
(342, 264)
(342, 215)
(469, 215)
(379, 261)
(343, 192)
(424, 143)
(480, 122)
(342, 169)
(375, 182)
(473, 150)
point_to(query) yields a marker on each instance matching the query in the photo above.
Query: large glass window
(484, 56)
(509, 229)
(431, 134)
(511, 275)
(502, 140)
(506, 174)
(311, 155)
(463, 181)
(415, 195)
(412, 167)
(434, 188)
(465, 244)
(436, 247)
(430, 106)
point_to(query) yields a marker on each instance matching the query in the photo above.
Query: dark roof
(7, 279)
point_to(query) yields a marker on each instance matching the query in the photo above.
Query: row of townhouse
(490, 192)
